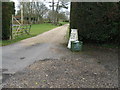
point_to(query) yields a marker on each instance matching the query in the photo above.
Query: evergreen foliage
(96, 22)
(7, 11)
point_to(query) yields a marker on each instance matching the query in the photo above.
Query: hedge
(96, 22)
(7, 11)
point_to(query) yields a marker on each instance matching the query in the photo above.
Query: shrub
(7, 11)
(98, 22)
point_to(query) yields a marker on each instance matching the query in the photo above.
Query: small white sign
(73, 37)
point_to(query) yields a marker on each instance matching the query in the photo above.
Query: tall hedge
(0, 20)
(96, 22)
(7, 11)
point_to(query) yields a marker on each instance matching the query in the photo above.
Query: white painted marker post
(73, 37)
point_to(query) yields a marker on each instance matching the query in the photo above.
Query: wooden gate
(19, 29)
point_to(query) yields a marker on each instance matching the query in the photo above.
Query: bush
(66, 21)
(96, 22)
(7, 11)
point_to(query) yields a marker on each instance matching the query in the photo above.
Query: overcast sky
(44, 1)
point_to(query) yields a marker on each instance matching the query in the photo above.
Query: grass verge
(63, 23)
(35, 30)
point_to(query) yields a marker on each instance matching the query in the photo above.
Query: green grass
(35, 30)
(40, 28)
(63, 23)
(7, 42)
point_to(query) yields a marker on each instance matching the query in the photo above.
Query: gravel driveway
(94, 67)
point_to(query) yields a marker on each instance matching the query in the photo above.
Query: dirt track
(17, 56)
(55, 36)
(94, 67)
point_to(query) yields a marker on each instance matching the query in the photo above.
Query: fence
(19, 29)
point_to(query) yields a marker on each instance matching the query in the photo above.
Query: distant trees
(96, 22)
(41, 10)
(33, 11)
(55, 14)
(60, 16)
(8, 8)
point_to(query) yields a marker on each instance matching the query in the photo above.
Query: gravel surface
(19, 55)
(91, 68)
(94, 67)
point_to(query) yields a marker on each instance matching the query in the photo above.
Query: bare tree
(41, 10)
(34, 11)
(55, 12)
